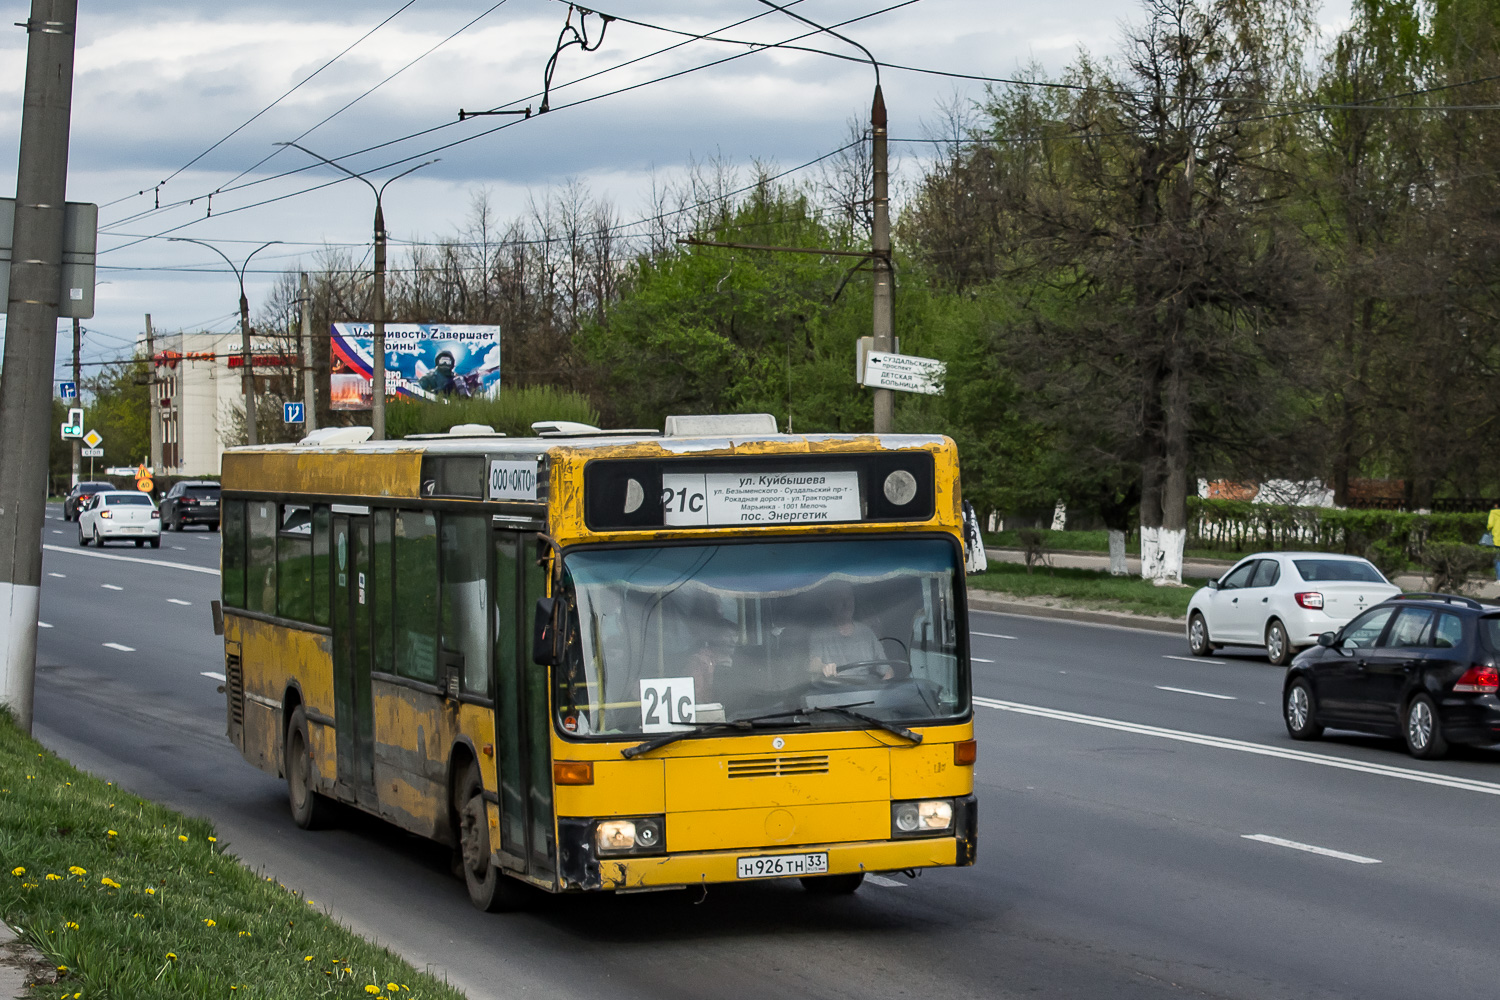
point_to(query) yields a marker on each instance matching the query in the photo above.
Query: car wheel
(833, 885)
(310, 810)
(1423, 730)
(82, 538)
(1299, 711)
(1278, 644)
(156, 542)
(214, 526)
(490, 890)
(98, 542)
(140, 543)
(1198, 642)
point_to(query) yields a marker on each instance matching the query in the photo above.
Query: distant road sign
(67, 390)
(92, 452)
(144, 484)
(903, 372)
(293, 413)
(93, 438)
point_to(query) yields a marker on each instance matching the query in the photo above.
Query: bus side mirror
(543, 635)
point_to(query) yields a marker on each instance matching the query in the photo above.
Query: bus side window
(466, 597)
(260, 573)
(381, 594)
(320, 544)
(415, 613)
(233, 516)
(294, 563)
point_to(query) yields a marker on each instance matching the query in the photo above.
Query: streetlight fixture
(247, 356)
(377, 348)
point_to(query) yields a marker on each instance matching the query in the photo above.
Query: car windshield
(665, 639)
(1337, 571)
(128, 500)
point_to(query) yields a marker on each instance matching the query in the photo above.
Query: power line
(263, 110)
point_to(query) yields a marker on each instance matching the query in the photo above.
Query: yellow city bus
(625, 661)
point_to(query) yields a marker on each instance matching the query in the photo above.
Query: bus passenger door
(522, 717)
(354, 715)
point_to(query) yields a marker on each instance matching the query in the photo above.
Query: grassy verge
(1086, 588)
(1098, 541)
(129, 899)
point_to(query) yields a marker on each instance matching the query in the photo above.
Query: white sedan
(116, 515)
(1282, 601)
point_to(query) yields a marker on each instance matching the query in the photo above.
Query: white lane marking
(174, 600)
(1326, 852)
(110, 586)
(133, 559)
(116, 645)
(60, 576)
(889, 883)
(210, 673)
(42, 625)
(1189, 659)
(991, 635)
(179, 548)
(56, 532)
(980, 659)
(1201, 694)
(1070, 621)
(1243, 746)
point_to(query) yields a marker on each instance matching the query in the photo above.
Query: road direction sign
(903, 372)
(92, 452)
(93, 438)
(67, 390)
(293, 413)
(73, 428)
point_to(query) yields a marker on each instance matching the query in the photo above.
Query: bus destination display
(794, 497)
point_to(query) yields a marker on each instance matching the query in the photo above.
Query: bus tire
(310, 810)
(490, 889)
(833, 885)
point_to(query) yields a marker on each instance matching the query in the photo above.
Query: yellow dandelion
(171, 956)
(182, 837)
(393, 987)
(138, 916)
(307, 958)
(70, 925)
(210, 923)
(62, 970)
(311, 902)
(213, 840)
(106, 880)
(18, 872)
(28, 885)
(245, 934)
(372, 989)
(111, 833)
(54, 878)
(75, 870)
(150, 891)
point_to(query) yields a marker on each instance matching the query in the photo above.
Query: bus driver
(843, 641)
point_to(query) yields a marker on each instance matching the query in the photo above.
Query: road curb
(982, 602)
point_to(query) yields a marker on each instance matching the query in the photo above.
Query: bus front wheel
(310, 810)
(490, 890)
(833, 885)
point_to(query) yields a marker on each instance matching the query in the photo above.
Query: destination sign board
(793, 497)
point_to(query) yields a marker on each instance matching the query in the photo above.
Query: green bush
(512, 412)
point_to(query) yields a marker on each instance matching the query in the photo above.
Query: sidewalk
(1197, 567)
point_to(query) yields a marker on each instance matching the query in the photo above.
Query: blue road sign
(293, 413)
(67, 390)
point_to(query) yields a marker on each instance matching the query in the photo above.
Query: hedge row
(1387, 537)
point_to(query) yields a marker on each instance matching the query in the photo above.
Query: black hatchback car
(79, 496)
(1420, 667)
(191, 503)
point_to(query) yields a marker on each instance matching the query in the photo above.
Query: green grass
(1093, 589)
(1098, 541)
(130, 900)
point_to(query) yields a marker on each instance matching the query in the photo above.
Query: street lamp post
(377, 346)
(246, 355)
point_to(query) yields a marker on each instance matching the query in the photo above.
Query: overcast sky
(158, 84)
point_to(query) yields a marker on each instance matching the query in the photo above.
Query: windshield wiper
(630, 753)
(847, 711)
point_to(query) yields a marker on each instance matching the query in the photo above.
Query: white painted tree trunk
(1150, 552)
(1117, 565)
(1167, 569)
(1060, 517)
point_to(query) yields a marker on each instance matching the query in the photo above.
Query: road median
(126, 898)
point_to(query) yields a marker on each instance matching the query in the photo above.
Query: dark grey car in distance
(191, 502)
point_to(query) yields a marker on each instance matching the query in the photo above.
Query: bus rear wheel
(490, 890)
(833, 885)
(310, 810)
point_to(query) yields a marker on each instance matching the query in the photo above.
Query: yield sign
(93, 439)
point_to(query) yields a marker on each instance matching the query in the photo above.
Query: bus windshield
(678, 637)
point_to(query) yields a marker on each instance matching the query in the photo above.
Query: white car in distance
(1283, 601)
(117, 515)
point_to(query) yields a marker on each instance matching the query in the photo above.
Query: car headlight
(641, 835)
(921, 817)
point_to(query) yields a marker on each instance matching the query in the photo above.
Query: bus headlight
(922, 817)
(642, 835)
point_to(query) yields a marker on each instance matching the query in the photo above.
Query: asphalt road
(1119, 782)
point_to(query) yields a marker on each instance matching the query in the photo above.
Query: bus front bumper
(581, 870)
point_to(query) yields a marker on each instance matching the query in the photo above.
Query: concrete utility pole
(153, 400)
(247, 356)
(309, 384)
(377, 346)
(31, 341)
(880, 247)
(78, 387)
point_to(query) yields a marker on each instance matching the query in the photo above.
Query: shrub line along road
(1147, 830)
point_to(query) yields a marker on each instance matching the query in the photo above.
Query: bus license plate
(773, 865)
